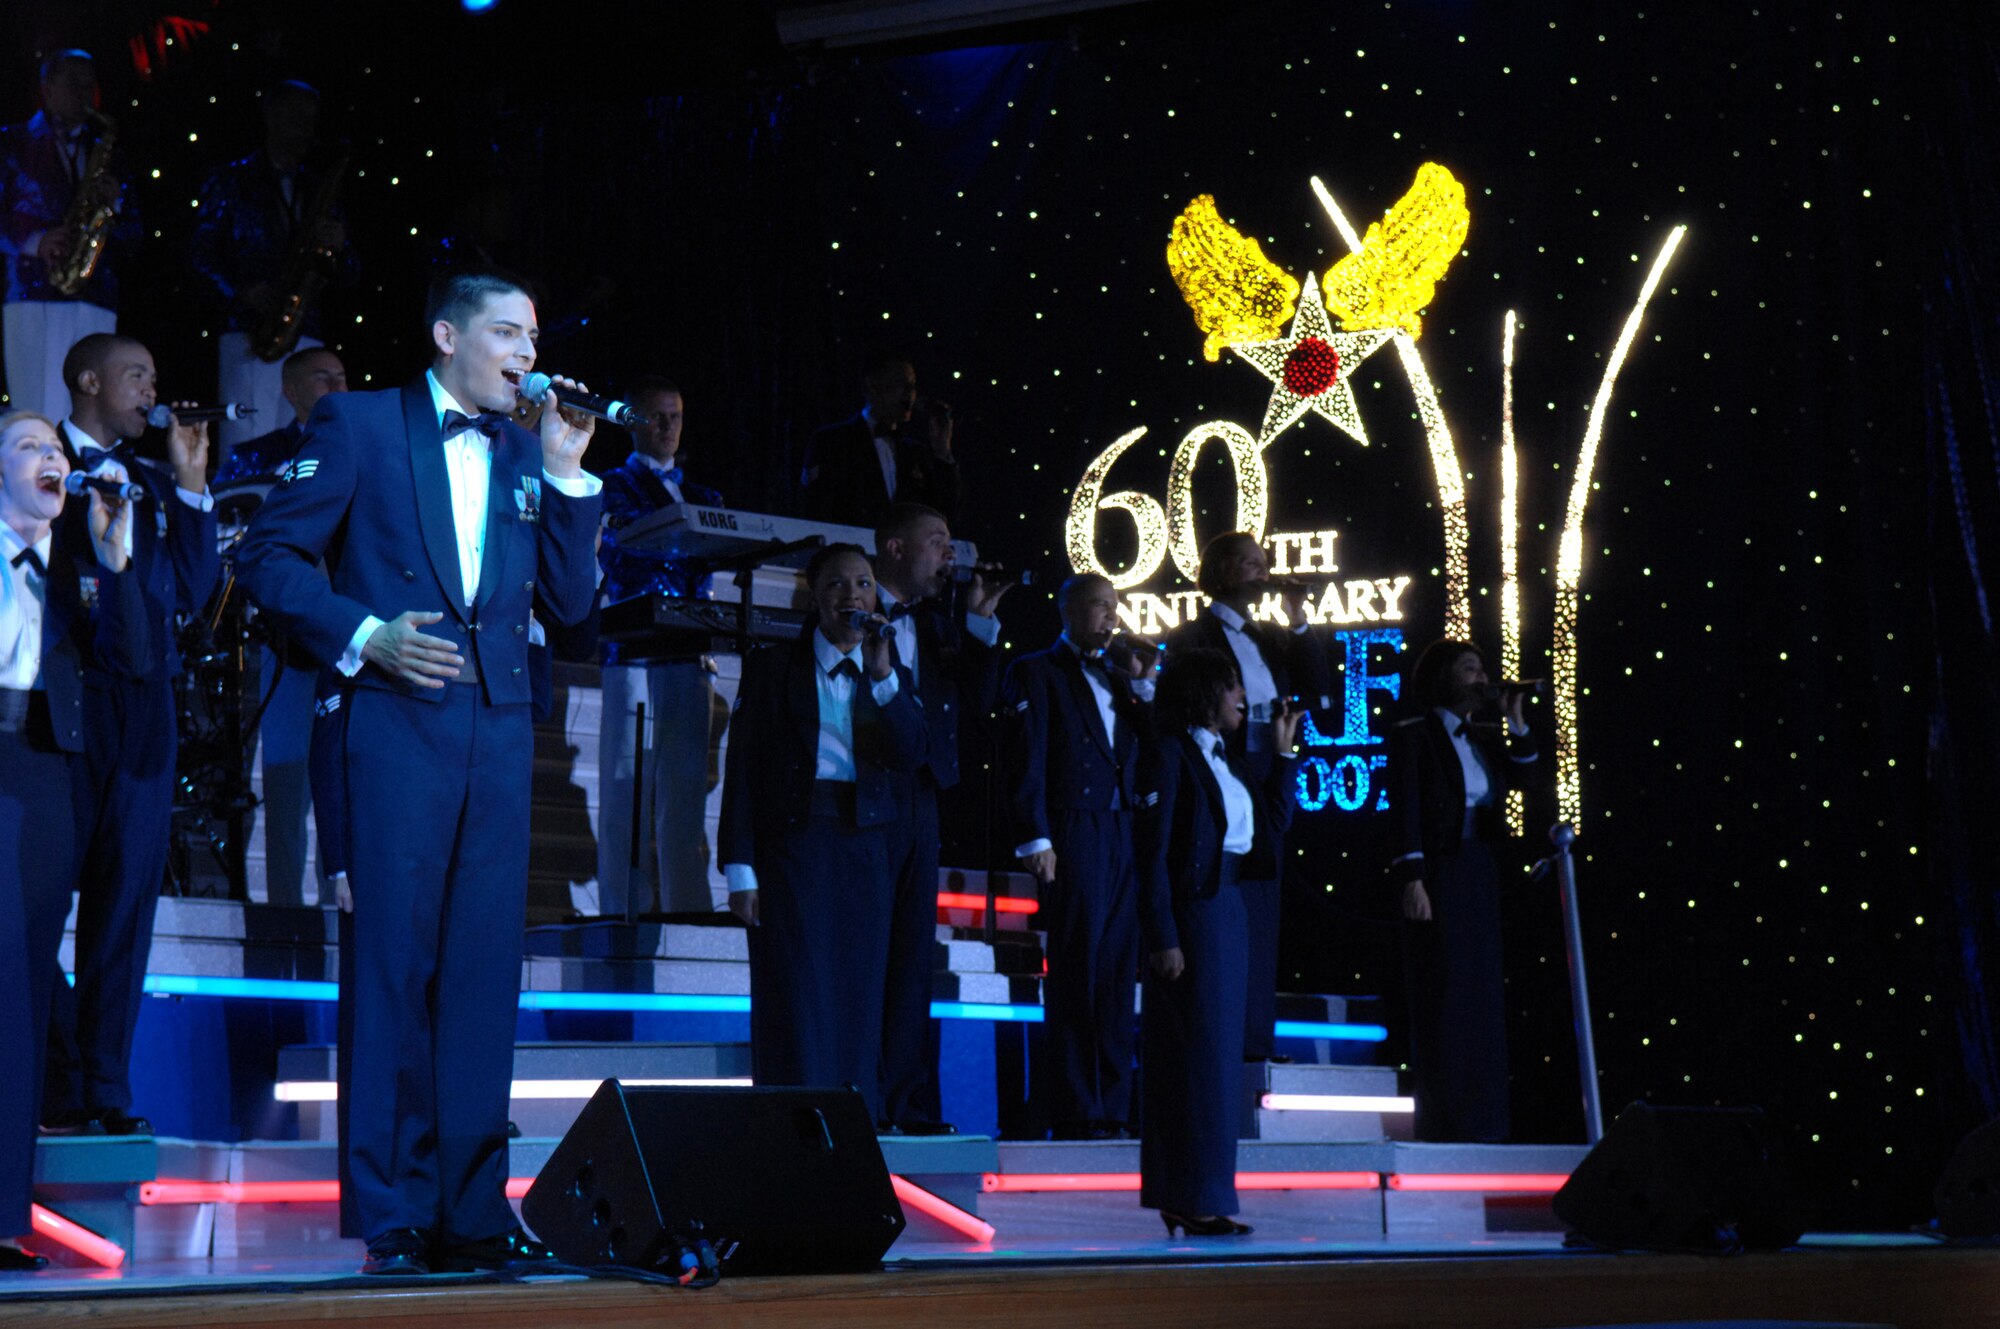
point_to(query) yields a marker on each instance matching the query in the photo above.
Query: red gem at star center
(1312, 367)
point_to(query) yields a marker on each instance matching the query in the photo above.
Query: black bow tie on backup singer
(1464, 728)
(32, 559)
(901, 609)
(489, 423)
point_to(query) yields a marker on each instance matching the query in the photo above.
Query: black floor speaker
(1701, 1179)
(1968, 1193)
(777, 1180)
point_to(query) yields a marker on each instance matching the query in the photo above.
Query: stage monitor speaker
(1968, 1193)
(1666, 1178)
(778, 1180)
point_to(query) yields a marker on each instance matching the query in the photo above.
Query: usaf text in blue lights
(1350, 780)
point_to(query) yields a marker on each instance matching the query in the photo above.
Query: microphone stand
(1563, 835)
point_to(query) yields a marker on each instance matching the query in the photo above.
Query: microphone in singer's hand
(870, 624)
(1506, 687)
(76, 482)
(538, 387)
(163, 416)
(993, 574)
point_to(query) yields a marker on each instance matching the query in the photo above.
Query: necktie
(1464, 727)
(1219, 750)
(33, 560)
(488, 423)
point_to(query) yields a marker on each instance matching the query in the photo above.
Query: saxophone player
(64, 210)
(266, 222)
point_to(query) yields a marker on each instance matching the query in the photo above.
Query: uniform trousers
(240, 377)
(124, 817)
(438, 796)
(38, 335)
(1261, 901)
(671, 871)
(910, 1091)
(1091, 912)
(820, 949)
(36, 855)
(1458, 1001)
(1193, 1055)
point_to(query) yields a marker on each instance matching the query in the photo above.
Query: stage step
(1312, 1102)
(552, 1081)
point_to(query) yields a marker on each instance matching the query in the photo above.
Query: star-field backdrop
(1763, 923)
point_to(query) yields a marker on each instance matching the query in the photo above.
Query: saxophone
(87, 222)
(304, 276)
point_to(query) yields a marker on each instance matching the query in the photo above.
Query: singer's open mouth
(513, 376)
(50, 482)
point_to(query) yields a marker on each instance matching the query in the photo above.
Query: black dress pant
(1458, 1012)
(910, 1091)
(1261, 900)
(1091, 913)
(36, 856)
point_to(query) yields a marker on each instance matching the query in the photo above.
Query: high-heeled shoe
(1215, 1225)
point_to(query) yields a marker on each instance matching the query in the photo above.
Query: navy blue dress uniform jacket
(1181, 825)
(1297, 660)
(1058, 756)
(35, 191)
(774, 750)
(1427, 803)
(843, 475)
(243, 236)
(91, 619)
(956, 670)
(410, 552)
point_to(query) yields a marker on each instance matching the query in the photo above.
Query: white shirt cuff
(350, 662)
(740, 876)
(202, 502)
(1518, 731)
(1033, 847)
(987, 629)
(576, 486)
(885, 691)
(33, 244)
(1142, 688)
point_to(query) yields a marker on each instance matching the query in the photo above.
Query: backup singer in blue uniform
(1205, 826)
(1077, 724)
(125, 809)
(56, 615)
(1449, 776)
(1274, 662)
(432, 509)
(956, 671)
(822, 748)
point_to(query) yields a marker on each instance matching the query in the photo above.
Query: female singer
(1202, 827)
(1447, 775)
(822, 749)
(57, 613)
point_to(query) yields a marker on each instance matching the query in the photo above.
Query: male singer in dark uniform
(125, 813)
(1077, 721)
(43, 164)
(956, 668)
(249, 224)
(1449, 777)
(897, 450)
(443, 526)
(673, 875)
(55, 614)
(1275, 663)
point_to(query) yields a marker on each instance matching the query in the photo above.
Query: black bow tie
(901, 609)
(846, 668)
(1464, 727)
(32, 559)
(488, 423)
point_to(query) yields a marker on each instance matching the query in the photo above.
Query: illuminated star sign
(1313, 369)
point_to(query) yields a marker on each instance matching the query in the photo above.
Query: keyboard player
(669, 871)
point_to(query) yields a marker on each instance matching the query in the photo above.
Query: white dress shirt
(904, 640)
(1239, 812)
(1259, 688)
(834, 759)
(468, 464)
(1478, 780)
(660, 469)
(95, 456)
(23, 595)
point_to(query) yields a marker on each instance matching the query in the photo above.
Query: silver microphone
(163, 416)
(870, 624)
(537, 387)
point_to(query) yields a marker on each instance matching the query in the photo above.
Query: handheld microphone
(1270, 710)
(992, 573)
(538, 387)
(1534, 687)
(163, 416)
(870, 624)
(76, 482)
(1281, 585)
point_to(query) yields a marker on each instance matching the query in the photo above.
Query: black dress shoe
(117, 1121)
(14, 1260)
(74, 1121)
(509, 1248)
(1211, 1225)
(927, 1128)
(402, 1250)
